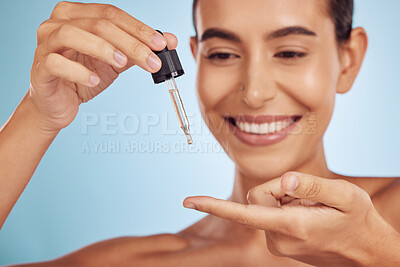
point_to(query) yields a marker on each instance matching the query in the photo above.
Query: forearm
(22, 145)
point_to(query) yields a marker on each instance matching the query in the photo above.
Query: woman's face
(284, 53)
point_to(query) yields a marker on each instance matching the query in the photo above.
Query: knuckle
(242, 218)
(41, 28)
(243, 221)
(136, 49)
(352, 195)
(51, 61)
(140, 29)
(313, 189)
(302, 233)
(351, 192)
(61, 5)
(365, 196)
(65, 31)
(361, 196)
(109, 12)
(100, 25)
(106, 48)
(290, 230)
(60, 8)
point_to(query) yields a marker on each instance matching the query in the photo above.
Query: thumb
(335, 193)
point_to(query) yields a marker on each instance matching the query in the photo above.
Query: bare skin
(212, 239)
(59, 86)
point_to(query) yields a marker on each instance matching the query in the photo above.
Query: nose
(258, 83)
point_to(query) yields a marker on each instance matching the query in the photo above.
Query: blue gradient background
(76, 198)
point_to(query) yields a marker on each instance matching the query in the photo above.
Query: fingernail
(159, 40)
(291, 182)
(248, 197)
(154, 62)
(120, 58)
(94, 79)
(189, 206)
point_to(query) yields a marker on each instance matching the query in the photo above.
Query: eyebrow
(230, 36)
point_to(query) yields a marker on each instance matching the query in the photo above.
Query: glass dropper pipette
(171, 68)
(179, 109)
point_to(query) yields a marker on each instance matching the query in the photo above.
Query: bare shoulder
(185, 249)
(164, 241)
(387, 203)
(120, 249)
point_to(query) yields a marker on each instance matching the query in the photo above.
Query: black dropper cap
(171, 66)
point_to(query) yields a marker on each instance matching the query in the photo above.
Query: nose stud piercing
(242, 88)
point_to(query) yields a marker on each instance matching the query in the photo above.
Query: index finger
(254, 216)
(136, 28)
(267, 194)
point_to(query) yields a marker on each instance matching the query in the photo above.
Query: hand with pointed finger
(81, 50)
(323, 222)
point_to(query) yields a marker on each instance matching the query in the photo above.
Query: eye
(221, 56)
(290, 55)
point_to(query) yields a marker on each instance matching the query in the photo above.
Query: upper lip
(262, 118)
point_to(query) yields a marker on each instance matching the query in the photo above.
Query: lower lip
(262, 139)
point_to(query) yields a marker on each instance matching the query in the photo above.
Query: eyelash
(220, 56)
(289, 55)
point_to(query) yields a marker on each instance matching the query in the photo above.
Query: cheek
(213, 85)
(313, 85)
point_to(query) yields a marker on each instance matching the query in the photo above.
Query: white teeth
(278, 126)
(247, 127)
(285, 124)
(272, 127)
(263, 128)
(255, 128)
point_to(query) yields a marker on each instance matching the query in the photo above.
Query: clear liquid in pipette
(180, 111)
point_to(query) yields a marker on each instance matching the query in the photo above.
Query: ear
(193, 47)
(351, 57)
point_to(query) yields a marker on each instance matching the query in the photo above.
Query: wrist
(30, 116)
(387, 251)
(383, 246)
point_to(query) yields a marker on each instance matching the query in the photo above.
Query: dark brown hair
(341, 12)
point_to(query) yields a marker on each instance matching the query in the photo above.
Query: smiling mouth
(263, 124)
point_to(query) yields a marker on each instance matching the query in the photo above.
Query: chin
(263, 168)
